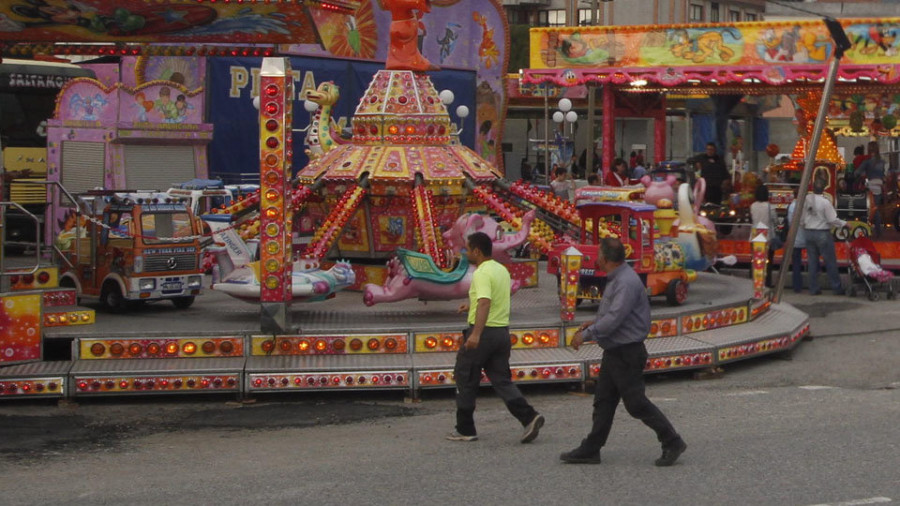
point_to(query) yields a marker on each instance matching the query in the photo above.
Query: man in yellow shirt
(486, 345)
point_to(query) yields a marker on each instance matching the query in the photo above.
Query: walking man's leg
(606, 399)
(631, 387)
(497, 370)
(467, 374)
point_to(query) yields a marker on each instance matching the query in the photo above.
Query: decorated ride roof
(750, 57)
(401, 128)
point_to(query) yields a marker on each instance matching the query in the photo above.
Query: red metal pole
(659, 132)
(609, 129)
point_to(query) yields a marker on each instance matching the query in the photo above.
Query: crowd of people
(869, 172)
(623, 317)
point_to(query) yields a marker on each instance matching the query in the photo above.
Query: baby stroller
(865, 269)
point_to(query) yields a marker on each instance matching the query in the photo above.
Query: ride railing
(39, 247)
(4, 207)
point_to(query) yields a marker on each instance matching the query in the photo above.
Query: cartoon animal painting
(114, 20)
(323, 134)
(87, 108)
(699, 46)
(448, 41)
(487, 48)
(793, 45)
(878, 37)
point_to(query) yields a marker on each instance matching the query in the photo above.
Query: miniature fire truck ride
(132, 248)
(658, 259)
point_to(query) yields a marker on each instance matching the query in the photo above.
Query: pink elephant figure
(426, 285)
(660, 193)
(467, 224)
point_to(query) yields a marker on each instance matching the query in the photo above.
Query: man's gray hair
(612, 250)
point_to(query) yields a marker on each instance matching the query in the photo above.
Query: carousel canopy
(735, 58)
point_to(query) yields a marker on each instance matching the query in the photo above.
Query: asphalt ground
(815, 426)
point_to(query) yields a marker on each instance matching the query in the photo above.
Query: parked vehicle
(130, 248)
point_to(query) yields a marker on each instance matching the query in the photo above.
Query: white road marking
(857, 502)
(815, 387)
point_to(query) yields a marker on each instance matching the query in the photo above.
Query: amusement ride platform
(216, 347)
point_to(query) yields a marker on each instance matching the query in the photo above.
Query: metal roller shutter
(149, 167)
(82, 165)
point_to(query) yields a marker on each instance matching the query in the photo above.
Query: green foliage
(519, 46)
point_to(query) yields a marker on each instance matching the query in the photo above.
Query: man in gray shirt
(818, 218)
(622, 324)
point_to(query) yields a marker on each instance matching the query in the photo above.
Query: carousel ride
(395, 190)
(402, 188)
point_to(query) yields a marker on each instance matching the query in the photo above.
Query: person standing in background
(799, 246)
(562, 184)
(872, 169)
(713, 170)
(639, 159)
(818, 218)
(638, 172)
(618, 176)
(762, 213)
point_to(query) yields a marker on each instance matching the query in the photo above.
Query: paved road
(820, 428)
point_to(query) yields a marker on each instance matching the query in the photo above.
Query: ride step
(64, 316)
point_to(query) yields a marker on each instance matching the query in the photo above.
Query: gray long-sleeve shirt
(624, 313)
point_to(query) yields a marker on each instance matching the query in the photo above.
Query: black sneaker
(532, 429)
(581, 455)
(671, 454)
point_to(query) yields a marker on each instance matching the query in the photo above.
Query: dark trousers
(797, 269)
(622, 377)
(820, 242)
(492, 355)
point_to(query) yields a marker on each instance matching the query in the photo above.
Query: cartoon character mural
(794, 44)
(875, 39)
(105, 21)
(488, 103)
(188, 71)
(87, 108)
(348, 35)
(448, 40)
(164, 105)
(118, 21)
(700, 45)
(487, 48)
